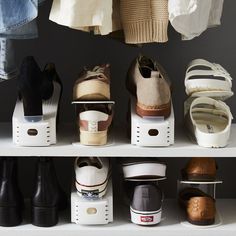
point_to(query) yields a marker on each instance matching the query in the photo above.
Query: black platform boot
(48, 197)
(11, 200)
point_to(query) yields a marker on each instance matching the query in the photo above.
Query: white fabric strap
(216, 70)
(224, 109)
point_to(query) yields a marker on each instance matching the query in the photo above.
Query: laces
(96, 71)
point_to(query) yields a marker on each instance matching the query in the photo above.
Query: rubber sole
(202, 222)
(144, 170)
(10, 216)
(44, 216)
(93, 138)
(145, 218)
(92, 90)
(163, 111)
(194, 139)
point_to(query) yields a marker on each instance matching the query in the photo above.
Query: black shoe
(29, 84)
(11, 200)
(146, 205)
(48, 197)
(35, 86)
(49, 76)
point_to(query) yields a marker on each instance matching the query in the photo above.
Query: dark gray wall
(71, 50)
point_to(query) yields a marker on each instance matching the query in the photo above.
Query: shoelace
(96, 71)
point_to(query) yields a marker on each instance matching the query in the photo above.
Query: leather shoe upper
(200, 168)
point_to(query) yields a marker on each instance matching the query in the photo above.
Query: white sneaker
(94, 121)
(92, 176)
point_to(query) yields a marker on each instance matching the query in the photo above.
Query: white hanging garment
(100, 16)
(192, 17)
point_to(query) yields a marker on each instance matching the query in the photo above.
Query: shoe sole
(201, 222)
(93, 191)
(202, 143)
(143, 111)
(144, 170)
(145, 218)
(10, 216)
(44, 216)
(92, 90)
(93, 138)
(199, 177)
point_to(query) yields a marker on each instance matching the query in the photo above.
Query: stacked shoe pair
(141, 176)
(207, 118)
(92, 92)
(47, 199)
(35, 116)
(199, 205)
(151, 114)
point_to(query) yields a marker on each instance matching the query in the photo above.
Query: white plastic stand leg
(41, 133)
(152, 131)
(92, 212)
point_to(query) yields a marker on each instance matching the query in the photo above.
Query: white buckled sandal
(209, 122)
(204, 78)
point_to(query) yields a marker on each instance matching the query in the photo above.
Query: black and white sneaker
(92, 176)
(146, 205)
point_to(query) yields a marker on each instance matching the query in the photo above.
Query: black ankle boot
(48, 197)
(50, 77)
(29, 83)
(11, 200)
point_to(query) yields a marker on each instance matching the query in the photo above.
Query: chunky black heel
(10, 216)
(29, 83)
(35, 86)
(44, 216)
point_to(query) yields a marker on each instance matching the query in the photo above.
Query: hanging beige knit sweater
(144, 21)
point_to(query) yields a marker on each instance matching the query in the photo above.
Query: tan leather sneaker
(93, 122)
(148, 81)
(93, 84)
(199, 207)
(200, 169)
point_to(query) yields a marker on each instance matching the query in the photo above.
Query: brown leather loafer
(199, 207)
(200, 169)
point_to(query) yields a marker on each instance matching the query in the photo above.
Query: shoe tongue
(93, 161)
(155, 74)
